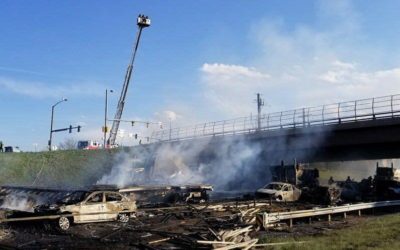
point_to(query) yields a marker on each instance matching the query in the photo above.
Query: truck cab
(88, 145)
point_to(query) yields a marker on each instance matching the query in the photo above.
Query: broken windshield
(73, 198)
(274, 186)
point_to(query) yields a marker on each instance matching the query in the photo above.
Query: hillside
(55, 169)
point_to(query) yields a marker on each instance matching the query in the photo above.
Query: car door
(92, 209)
(113, 205)
(287, 193)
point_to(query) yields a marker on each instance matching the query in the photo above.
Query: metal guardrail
(337, 113)
(266, 219)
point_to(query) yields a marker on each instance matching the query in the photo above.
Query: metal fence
(337, 113)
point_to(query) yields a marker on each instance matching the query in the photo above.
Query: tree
(68, 144)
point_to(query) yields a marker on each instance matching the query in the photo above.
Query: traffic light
(70, 129)
(79, 128)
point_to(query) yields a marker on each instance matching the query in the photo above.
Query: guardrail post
(308, 116)
(359, 212)
(268, 122)
(344, 215)
(338, 113)
(280, 120)
(329, 218)
(204, 128)
(290, 223)
(304, 117)
(323, 114)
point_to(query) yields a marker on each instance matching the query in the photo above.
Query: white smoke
(188, 163)
(18, 203)
(227, 163)
(125, 172)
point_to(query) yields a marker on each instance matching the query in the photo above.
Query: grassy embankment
(69, 168)
(381, 232)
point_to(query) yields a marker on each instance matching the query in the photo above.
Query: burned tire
(124, 218)
(63, 223)
(279, 198)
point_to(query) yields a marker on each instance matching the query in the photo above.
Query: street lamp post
(51, 123)
(105, 117)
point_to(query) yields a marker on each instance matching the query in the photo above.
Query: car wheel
(279, 198)
(124, 218)
(64, 223)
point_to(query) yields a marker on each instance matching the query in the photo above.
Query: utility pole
(51, 122)
(142, 22)
(260, 103)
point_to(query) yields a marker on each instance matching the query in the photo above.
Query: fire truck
(88, 145)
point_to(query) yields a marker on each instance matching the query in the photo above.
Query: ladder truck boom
(142, 22)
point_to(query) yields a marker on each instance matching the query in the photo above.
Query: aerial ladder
(142, 22)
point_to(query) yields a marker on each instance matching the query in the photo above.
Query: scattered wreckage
(76, 207)
(298, 182)
(385, 185)
(86, 207)
(183, 217)
(97, 204)
(279, 191)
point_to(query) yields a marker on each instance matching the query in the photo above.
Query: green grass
(57, 168)
(381, 232)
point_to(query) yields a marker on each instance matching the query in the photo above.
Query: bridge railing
(337, 113)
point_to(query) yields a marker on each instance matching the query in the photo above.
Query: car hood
(267, 191)
(46, 208)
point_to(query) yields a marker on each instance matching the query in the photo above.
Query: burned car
(279, 191)
(86, 206)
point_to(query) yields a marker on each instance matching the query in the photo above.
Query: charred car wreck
(298, 182)
(95, 204)
(85, 207)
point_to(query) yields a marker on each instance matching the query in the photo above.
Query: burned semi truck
(305, 178)
(387, 182)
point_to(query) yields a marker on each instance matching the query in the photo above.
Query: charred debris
(174, 217)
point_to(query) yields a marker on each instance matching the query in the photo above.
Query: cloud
(166, 116)
(229, 72)
(222, 82)
(21, 71)
(300, 66)
(45, 90)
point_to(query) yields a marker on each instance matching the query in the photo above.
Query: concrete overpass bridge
(352, 130)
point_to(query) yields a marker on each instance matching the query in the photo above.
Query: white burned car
(279, 191)
(87, 207)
